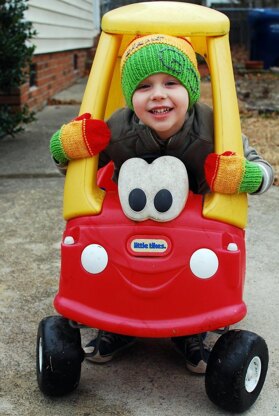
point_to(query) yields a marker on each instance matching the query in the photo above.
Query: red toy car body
(148, 287)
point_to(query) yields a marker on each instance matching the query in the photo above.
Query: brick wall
(51, 73)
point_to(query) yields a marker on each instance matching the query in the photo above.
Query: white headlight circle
(94, 258)
(204, 263)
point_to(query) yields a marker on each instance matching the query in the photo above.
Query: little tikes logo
(146, 246)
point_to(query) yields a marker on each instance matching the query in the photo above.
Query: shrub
(16, 53)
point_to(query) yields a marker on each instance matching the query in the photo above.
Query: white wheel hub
(40, 354)
(253, 374)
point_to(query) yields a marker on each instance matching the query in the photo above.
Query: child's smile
(161, 103)
(160, 110)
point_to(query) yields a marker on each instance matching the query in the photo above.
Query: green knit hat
(152, 54)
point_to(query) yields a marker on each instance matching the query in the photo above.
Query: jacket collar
(149, 141)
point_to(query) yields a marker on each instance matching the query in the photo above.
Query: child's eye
(142, 86)
(172, 82)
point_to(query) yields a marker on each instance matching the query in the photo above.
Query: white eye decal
(156, 191)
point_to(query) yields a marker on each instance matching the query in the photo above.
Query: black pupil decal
(163, 200)
(137, 199)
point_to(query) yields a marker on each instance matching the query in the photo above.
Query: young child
(161, 85)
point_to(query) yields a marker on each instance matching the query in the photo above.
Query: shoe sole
(102, 359)
(199, 369)
(97, 358)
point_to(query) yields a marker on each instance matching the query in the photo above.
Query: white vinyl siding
(63, 24)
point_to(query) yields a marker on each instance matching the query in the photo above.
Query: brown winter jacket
(130, 138)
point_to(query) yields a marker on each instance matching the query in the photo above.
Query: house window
(33, 75)
(75, 61)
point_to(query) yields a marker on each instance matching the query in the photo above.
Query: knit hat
(152, 54)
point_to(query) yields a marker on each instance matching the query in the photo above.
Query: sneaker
(195, 351)
(109, 345)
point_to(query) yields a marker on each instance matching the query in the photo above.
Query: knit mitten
(230, 173)
(82, 137)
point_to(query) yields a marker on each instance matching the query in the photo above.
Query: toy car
(164, 271)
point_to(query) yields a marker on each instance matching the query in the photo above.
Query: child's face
(161, 103)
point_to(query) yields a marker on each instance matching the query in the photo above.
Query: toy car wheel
(236, 370)
(59, 356)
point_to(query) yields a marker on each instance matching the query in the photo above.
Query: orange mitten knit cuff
(81, 138)
(230, 173)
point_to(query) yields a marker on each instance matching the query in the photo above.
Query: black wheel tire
(59, 356)
(227, 375)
